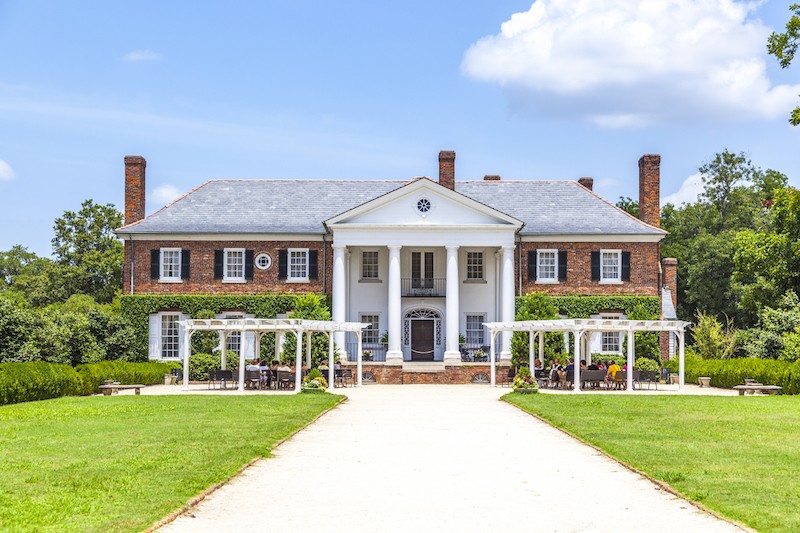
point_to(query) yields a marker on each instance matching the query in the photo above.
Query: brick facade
(201, 279)
(670, 274)
(453, 375)
(644, 269)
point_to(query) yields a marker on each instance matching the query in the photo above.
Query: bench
(116, 387)
(753, 387)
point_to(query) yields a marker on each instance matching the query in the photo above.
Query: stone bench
(753, 387)
(109, 389)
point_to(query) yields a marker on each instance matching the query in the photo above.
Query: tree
(86, 240)
(534, 307)
(723, 178)
(310, 307)
(712, 339)
(629, 205)
(784, 45)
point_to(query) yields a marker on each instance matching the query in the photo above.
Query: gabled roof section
(384, 209)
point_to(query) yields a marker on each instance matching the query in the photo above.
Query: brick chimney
(134, 188)
(447, 169)
(491, 177)
(586, 182)
(650, 189)
(670, 273)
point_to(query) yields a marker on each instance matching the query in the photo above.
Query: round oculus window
(423, 205)
(263, 261)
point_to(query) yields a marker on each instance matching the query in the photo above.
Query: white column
(241, 361)
(576, 374)
(224, 349)
(394, 355)
(681, 367)
(531, 337)
(492, 378)
(331, 375)
(278, 343)
(629, 385)
(452, 357)
(187, 349)
(359, 363)
(257, 347)
(339, 293)
(298, 361)
(308, 350)
(541, 348)
(508, 300)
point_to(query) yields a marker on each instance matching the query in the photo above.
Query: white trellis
(279, 326)
(580, 327)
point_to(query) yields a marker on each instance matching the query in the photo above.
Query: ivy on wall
(585, 306)
(137, 308)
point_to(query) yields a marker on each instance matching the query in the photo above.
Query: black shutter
(595, 266)
(155, 264)
(185, 263)
(313, 264)
(532, 266)
(219, 259)
(626, 266)
(248, 264)
(282, 263)
(562, 265)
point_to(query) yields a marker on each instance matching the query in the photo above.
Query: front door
(422, 340)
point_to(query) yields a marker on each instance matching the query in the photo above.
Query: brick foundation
(453, 375)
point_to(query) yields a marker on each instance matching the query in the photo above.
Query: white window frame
(376, 331)
(289, 276)
(618, 278)
(377, 264)
(467, 331)
(539, 278)
(225, 274)
(482, 276)
(609, 335)
(163, 337)
(267, 260)
(161, 264)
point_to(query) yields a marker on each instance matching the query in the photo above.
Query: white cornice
(591, 238)
(280, 237)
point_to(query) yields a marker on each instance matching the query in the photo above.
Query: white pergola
(579, 328)
(279, 326)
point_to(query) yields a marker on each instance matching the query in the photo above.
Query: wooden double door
(422, 343)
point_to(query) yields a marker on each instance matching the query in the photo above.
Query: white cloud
(6, 172)
(164, 194)
(690, 190)
(634, 62)
(137, 56)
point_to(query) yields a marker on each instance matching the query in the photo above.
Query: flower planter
(526, 391)
(704, 381)
(312, 391)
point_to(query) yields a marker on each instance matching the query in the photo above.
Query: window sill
(370, 280)
(298, 281)
(547, 282)
(474, 281)
(610, 282)
(170, 281)
(234, 281)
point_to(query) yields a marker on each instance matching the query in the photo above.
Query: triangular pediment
(423, 202)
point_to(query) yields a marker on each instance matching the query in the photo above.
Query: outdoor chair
(284, 379)
(338, 377)
(220, 378)
(620, 380)
(507, 379)
(347, 375)
(646, 376)
(592, 378)
(569, 379)
(252, 378)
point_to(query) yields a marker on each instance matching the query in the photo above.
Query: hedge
(585, 306)
(727, 373)
(26, 382)
(138, 307)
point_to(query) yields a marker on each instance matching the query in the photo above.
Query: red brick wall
(134, 188)
(394, 375)
(447, 169)
(649, 189)
(644, 269)
(201, 280)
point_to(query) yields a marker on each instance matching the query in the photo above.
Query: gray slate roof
(301, 206)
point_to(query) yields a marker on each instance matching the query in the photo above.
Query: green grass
(122, 463)
(737, 456)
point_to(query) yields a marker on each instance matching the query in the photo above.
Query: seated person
(323, 367)
(583, 364)
(253, 365)
(593, 366)
(275, 364)
(284, 368)
(337, 365)
(613, 368)
(537, 364)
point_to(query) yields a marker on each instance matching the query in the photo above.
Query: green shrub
(92, 375)
(25, 382)
(731, 372)
(314, 380)
(201, 363)
(645, 363)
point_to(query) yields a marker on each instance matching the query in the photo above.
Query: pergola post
(531, 337)
(298, 361)
(187, 349)
(492, 349)
(308, 350)
(576, 373)
(541, 348)
(241, 362)
(224, 349)
(278, 342)
(359, 357)
(681, 367)
(331, 371)
(257, 347)
(631, 336)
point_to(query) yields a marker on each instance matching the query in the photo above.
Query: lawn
(122, 463)
(739, 456)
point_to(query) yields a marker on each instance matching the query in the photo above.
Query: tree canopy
(784, 46)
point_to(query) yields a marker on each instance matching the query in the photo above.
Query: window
(610, 265)
(610, 339)
(475, 331)
(234, 343)
(170, 264)
(475, 265)
(170, 336)
(423, 205)
(546, 266)
(298, 265)
(371, 334)
(263, 261)
(369, 265)
(234, 264)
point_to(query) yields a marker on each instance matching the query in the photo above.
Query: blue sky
(373, 90)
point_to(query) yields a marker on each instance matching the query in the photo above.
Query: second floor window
(234, 264)
(474, 265)
(546, 265)
(170, 264)
(610, 265)
(298, 264)
(369, 265)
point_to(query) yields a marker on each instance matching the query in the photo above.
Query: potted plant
(367, 355)
(385, 338)
(524, 382)
(314, 382)
(479, 356)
